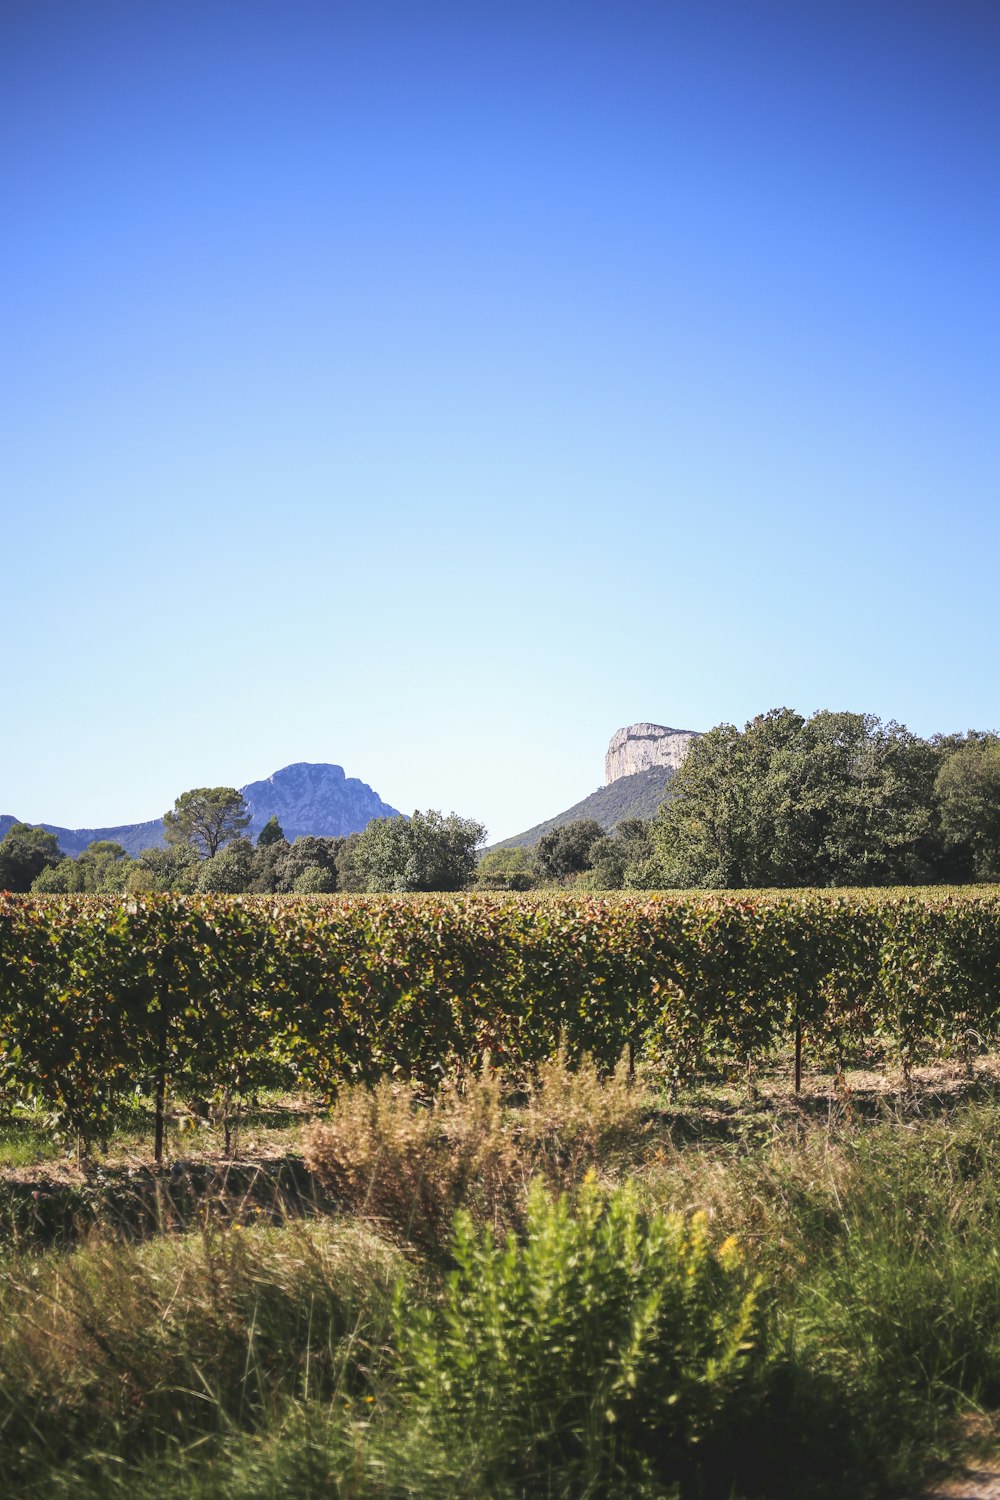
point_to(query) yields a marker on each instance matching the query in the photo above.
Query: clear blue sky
(433, 389)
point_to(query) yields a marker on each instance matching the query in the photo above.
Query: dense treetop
(836, 799)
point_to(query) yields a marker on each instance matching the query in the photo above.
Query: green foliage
(428, 852)
(902, 1302)
(633, 1334)
(174, 869)
(24, 853)
(109, 1349)
(622, 858)
(507, 870)
(230, 870)
(224, 995)
(271, 833)
(103, 868)
(349, 876)
(62, 879)
(566, 851)
(808, 1326)
(309, 864)
(206, 818)
(838, 799)
(315, 881)
(968, 790)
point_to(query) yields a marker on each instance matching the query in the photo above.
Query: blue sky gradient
(435, 389)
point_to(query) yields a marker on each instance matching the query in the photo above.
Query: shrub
(611, 1348)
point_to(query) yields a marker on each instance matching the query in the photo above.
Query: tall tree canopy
(566, 851)
(837, 799)
(271, 833)
(622, 858)
(507, 870)
(428, 852)
(24, 853)
(968, 791)
(206, 818)
(102, 867)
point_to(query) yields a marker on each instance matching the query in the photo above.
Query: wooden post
(798, 1056)
(160, 1099)
(161, 1092)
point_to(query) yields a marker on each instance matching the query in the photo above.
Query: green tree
(315, 881)
(24, 853)
(838, 799)
(349, 877)
(620, 859)
(230, 871)
(102, 868)
(308, 853)
(206, 818)
(565, 851)
(271, 833)
(172, 869)
(507, 870)
(428, 852)
(266, 864)
(968, 793)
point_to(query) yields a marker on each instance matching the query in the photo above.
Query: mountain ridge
(307, 797)
(635, 796)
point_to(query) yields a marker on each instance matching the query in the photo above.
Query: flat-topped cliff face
(640, 746)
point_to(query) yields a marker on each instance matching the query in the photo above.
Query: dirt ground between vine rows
(977, 1483)
(977, 1475)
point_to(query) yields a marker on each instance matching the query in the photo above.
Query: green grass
(26, 1141)
(240, 1362)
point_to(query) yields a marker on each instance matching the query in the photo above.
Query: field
(687, 1196)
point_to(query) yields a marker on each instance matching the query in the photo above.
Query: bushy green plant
(611, 1348)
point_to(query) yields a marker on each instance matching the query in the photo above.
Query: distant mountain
(635, 796)
(306, 799)
(638, 767)
(131, 836)
(314, 799)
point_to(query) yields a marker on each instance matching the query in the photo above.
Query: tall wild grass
(533, 1296)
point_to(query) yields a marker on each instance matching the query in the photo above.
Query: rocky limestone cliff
(638, 767)
(640, 746)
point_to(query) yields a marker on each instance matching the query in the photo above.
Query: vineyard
(102, 1000)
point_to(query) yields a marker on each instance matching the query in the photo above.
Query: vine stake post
(161, 1099)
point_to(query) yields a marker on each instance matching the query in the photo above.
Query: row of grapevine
(102, 998)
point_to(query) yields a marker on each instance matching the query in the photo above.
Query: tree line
(208, 851)
(836, 799)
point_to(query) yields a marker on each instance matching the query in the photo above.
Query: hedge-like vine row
(102, 998)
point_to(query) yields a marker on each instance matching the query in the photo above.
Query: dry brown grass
(406, 1163)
